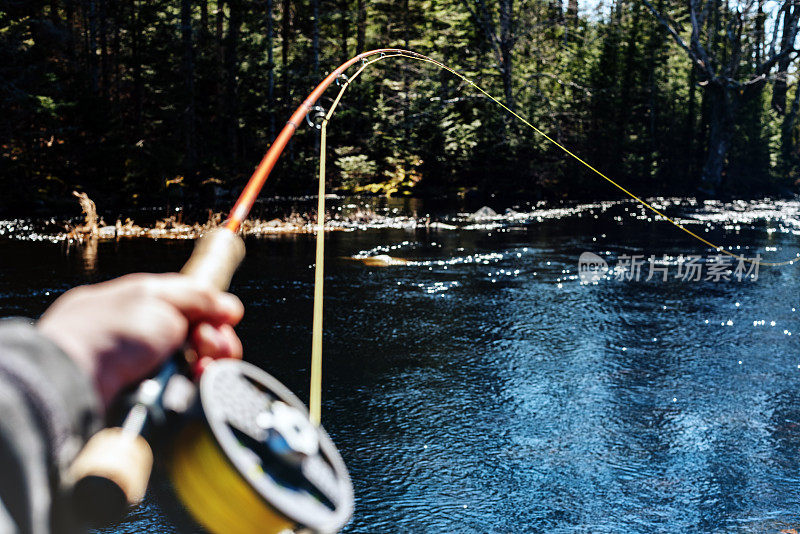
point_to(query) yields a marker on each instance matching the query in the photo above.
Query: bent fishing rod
(248, 457)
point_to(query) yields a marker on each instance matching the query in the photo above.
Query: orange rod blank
(245, 202)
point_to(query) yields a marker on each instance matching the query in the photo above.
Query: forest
(140, 102)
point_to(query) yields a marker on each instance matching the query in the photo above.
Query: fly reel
(254, 462)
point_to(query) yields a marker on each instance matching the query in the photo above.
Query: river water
(482, 387)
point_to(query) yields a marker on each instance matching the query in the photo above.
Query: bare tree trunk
(555, 11)
(404, 70)
(219, 19)
(655, 43)
(631, 52)
(219, 66)
(270, 73)
(286, 35)
(691, 119)
(231, 78)
(717, 58)
(315, 37)
(788, 137)
(344, 28)
(791, 14)
(69, 8)
(116, 50)
(203, 20)
(760, 34)
(361, 31)
(138, 85)
(189, 118)
(571, 21)
(572, 11)
(506, 44)
(103, 30)
(92, 48)
(721, 112)
(84, 25)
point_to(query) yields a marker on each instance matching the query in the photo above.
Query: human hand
(120, 331)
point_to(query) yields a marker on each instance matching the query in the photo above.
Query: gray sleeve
(48, 409)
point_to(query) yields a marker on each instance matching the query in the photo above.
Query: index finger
(198, 303)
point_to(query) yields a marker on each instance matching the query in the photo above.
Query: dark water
(484, 389)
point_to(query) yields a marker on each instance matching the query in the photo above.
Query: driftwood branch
(90, 215)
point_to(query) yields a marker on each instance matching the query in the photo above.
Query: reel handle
(110, 474)
(112, 471)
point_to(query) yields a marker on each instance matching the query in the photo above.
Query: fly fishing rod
(247, 457)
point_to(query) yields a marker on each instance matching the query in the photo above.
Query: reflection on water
(481, 388)
(87, 249)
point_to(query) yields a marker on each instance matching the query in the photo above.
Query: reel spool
(255, 463)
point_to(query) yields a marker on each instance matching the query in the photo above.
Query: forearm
(48, 408)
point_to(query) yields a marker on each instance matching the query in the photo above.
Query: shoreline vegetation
(173, 227)
(350, 214)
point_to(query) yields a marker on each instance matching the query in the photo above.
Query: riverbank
(364, 213)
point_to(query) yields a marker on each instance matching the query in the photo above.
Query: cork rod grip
(215, 258)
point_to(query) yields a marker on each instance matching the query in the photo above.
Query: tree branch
(700, 52)
(692, 51)
(791, 18)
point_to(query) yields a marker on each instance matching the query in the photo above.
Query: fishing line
(425, 59)
(316, 340)
(315, 396)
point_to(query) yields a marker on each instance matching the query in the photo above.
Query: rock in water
(381, 260)
(482, 214)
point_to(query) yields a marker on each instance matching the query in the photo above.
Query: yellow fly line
(315, 397)
(316, 339)
(212, 489)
